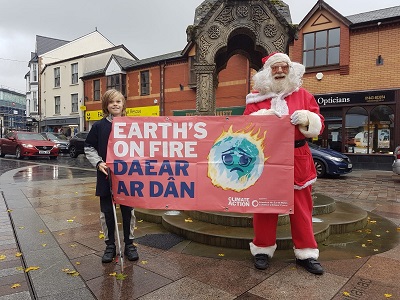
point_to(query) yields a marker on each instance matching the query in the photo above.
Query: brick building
(351, 68)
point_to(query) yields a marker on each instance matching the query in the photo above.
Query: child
(113, 105)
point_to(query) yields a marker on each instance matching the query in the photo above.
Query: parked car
(329, 162)
(396, 162)
(27, 144)
(77, 144)
(60, 139)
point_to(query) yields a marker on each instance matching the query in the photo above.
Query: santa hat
(275, 57)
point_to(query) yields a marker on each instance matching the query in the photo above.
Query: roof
(123, 61)
(385, 13)
(130, 64)
(155, 59)
(46, 44)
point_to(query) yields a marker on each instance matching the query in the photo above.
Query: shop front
(67, 126)
(362, 125)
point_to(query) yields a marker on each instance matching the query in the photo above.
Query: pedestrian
(113, 105)
(279, 92)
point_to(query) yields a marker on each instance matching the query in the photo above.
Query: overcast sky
(147, 28)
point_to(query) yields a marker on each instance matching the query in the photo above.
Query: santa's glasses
(284, 68)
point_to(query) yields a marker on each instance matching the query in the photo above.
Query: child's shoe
(131, 252)
(109, 254)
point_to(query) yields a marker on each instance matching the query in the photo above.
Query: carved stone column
(206, 85)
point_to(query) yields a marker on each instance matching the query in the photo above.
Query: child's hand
(102, 167)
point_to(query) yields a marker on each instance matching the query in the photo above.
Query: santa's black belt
(299, 143)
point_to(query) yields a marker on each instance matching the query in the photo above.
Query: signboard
(145, 111)
(220, 111)
(238, 164)
(356, 97)
(95, 115)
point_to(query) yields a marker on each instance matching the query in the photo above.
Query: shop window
(382, 129)
(357, 139)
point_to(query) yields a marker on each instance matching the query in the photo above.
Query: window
(96, 90)
(74, 73)
(34, 72)
(382, 127)
(144, 83)
(56, 77)
(118, 82)
(356, 133)
(35, 102)
(370, 132)
(57, 105)
(74, 103)
(321, 48)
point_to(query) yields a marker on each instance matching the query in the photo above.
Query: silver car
(396, 162)
(58, 138)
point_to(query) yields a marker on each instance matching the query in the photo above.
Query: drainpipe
(162, 88)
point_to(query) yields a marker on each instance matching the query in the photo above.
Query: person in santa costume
(279, 92)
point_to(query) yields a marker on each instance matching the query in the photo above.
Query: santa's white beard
(280, 85)
(265, 83)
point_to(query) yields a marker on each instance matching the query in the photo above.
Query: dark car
(27, 144)
(60, 139)
(77, 144)
(330, 162)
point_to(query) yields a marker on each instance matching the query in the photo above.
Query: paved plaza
(51, 247)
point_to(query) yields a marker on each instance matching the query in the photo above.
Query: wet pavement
(51, 246)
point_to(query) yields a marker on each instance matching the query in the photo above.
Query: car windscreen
(58, 136)
(30, 136)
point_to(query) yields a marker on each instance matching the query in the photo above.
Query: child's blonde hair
(109, 95)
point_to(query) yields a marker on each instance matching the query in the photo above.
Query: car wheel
(1, 153)
(18, 153)
(320, 168)
(72, 152)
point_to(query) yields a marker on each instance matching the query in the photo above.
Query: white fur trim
(255, 98)
(263, 112)
(297, 187)
(277, 57)
(262, 250)
(314, 127)
(306, 253)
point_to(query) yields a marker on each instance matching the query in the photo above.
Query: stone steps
(234, 230)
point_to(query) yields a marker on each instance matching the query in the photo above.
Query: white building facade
(59, 89)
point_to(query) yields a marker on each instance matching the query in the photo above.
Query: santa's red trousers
(300, 222)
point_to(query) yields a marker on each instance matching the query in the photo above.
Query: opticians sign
(357, 97)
